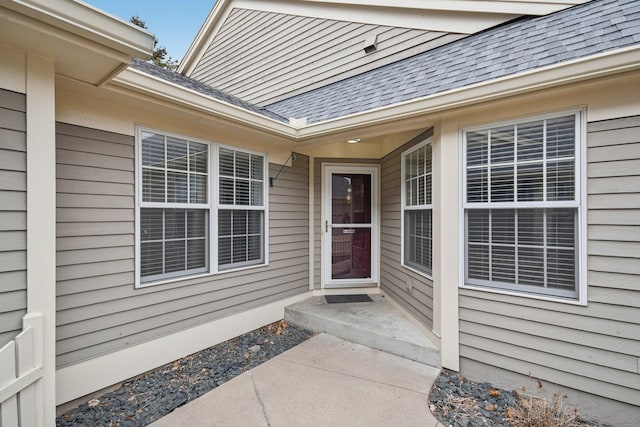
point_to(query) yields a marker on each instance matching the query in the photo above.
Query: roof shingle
(512, 48)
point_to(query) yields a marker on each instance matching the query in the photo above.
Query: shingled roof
(202, 88)
(522, 45)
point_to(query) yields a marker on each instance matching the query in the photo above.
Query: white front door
(350, 226)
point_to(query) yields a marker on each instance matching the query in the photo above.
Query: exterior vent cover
(371, 44)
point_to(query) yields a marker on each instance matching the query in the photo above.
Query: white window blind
(174, 209)
(417, 207)
(522, 206)
(241, 227)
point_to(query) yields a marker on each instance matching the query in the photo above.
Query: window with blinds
(521, 206)
(417, 207)
(241, 208)
(183, 200)
(174, 207)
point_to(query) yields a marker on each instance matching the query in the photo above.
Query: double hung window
(417, 207)
(522, 205)
(183, 200)
(241, 209)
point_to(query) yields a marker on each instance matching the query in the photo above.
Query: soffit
(85, 43)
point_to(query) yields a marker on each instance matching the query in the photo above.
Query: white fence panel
(21, 394)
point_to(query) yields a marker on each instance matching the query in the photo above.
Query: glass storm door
(350, 232)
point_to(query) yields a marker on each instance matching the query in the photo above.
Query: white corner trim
(85, 377)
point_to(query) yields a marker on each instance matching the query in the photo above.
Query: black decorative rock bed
(145, 399)
(458, 402)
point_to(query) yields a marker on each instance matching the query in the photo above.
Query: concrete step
(376, 324)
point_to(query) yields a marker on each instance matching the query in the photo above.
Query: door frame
(325, 225)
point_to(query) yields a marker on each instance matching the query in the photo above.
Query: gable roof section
(201, 88)
(263, 57)
(523, 45)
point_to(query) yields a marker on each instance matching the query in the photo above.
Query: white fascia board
(205, 35)
(145, 84)
(517, 7)
(595, 66)
(87, 22)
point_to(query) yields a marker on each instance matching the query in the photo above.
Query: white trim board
(82, 378)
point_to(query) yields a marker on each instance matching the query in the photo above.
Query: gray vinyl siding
(263, 57)
(394, 278)
(13, 214)
(595, 349)
(98, 309)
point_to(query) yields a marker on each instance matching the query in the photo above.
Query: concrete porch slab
(376, 324)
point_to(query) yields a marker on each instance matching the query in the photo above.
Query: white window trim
(213, 206)
(403, 207)
(581, 205)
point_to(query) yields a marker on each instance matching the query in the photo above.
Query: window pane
(226, 191)
(503, 226)
(503, 264)
(240, 237)
(242, 192)
(561, 269)
(477, 186)
(153, 185)
(478, 226)
(531, 266)
(176, 154)
(256, 193)
(177, 187)
(531, 141)
(418, 239)
(174, 224)
(152, 150)
(477, 151)
(174, 256)
(196, 223)
(239, 223)
(531, 227)
(198, 161)
(560, 180)
(561, 138)
(242, 164)
(530, 182)
(150, 259)
(226, 162)
(502, 184)
(561, 228)
(478, 261)
(502, 145)
(198, 189)
(196, 254)
(257, 167)
(150, 224)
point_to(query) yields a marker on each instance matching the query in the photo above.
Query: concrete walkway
(324, 381)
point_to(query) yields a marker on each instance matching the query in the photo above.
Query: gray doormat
(337, 299)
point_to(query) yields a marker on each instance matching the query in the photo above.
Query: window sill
(421, 273)
(579, 302)
(196, 276)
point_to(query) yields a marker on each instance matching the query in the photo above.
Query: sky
(175, 23)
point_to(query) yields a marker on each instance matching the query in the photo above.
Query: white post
(446, 243)
(41, 215)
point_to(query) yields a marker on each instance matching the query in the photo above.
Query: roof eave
(89, 23)
(147, 85)
(600, 65)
